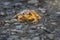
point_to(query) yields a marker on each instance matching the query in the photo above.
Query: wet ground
(48, 28)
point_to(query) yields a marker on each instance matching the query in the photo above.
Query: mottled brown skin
(29, 15)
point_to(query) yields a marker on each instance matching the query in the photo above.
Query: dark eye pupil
(29, 13)
(20, 18)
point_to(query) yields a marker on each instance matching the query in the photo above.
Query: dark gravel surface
(48, 28)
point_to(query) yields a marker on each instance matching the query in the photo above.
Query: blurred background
(48, 28)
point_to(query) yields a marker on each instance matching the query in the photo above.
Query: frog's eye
(29, 13)
(20, 18)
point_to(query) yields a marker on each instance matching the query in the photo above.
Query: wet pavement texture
(48, 28)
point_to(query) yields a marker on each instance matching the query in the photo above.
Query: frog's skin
(28, 15)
